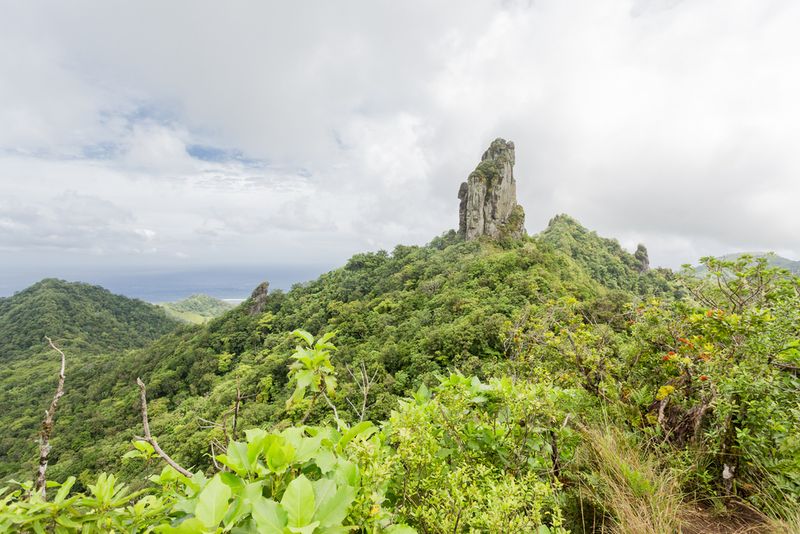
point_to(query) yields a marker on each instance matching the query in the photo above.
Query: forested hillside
(82, 316)
(196, 308)
(549, 383)
(96, 328)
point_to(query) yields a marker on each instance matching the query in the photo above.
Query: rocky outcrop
(489, 196)
(258, 299)
(642, 258)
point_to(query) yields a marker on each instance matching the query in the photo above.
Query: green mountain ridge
(411, 315)
(94, 327)
(772, 259)
(77, 314)
(504, 373)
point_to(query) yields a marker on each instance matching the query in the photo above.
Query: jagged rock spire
(489, 196)
(258, 299)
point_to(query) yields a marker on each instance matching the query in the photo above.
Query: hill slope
(772, 259)
(594, 381)
(95, 328)
(81, 316)
(409, 316)
(196, 308)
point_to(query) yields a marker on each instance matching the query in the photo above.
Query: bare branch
(150, 439)
(214, 457)
(364, 383)
(236, 408)
(208, 423)
(333, 407)
(47, 427)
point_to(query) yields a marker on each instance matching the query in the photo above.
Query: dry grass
(639, 496)
(785, 526)
(786, 522)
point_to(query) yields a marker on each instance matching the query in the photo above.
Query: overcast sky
(191, 134)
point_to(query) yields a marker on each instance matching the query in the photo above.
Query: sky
(178, 136)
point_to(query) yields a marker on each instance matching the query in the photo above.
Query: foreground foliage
(514, 388)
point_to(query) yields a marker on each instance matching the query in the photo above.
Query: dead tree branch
(364, 383)
(150, 439)
(47, 427)
(236, 408)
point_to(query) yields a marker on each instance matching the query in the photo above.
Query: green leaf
(346, 473)
(168, 474)
(327, 336)
(330, 384)
(305, 336)
(268, 515)
(235, 483)
(325, 460)
(237, 458)
(308, 529)
(212, 502)
(279, 454)
(235, 512)
(364, 429)
(64, 490)
(400, 529)
(332, 502)
(304, 378)
(298, 501)
(307, 448)
(422, 394)
(189, 526)
(144, 447)
(256, 440)
(67, 522)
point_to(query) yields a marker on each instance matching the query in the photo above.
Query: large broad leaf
(308, 529)
(325, 460)
(236, 458)
(330, 384)
(347, 473)
(299, 502)
(332, 502)
(63, 491)
(243, 497)
(212, 503)
(305, 447)
(235, 483)
(256, 439)
(337, 530)
(268, 515)
(304, 378)
(196, 482)
(364, 429)
(327, 336)
(278, 453)
(305, 336)
(400, 529)
(189, 526)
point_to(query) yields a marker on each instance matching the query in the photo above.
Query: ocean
(228, 283)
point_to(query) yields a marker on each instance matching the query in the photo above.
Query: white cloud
(331, 128)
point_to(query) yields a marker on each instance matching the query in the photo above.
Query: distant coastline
(231, 284)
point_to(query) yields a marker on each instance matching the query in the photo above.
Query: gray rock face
(642, 257)
(258, 299)
(489, 196)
